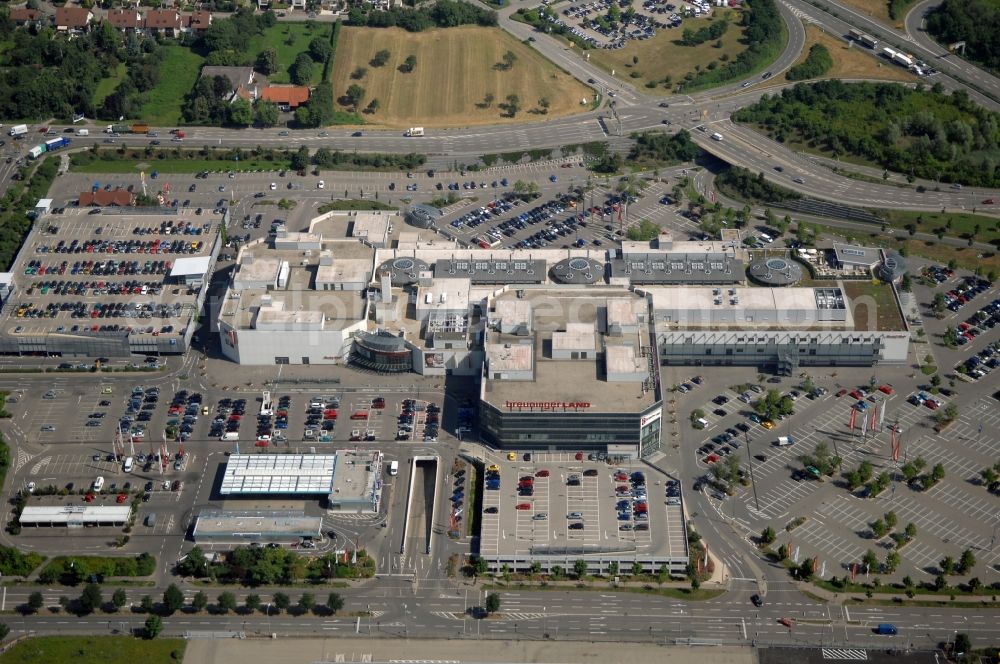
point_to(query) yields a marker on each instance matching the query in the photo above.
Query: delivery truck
(18, 130)
(415, 131)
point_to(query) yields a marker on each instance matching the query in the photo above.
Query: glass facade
(534, 430)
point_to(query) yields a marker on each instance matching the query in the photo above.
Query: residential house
(298, 4)
(127, 20)
(164, 22)
(73, 19)
(24, 16)
(101, 198)
(198, 21)
(244, 82)
(288, 97)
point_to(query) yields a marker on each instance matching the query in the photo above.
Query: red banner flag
(854, 415)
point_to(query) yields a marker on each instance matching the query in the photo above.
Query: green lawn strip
(923, 603)
(963, 224)
(353, 204)
(178, 73)
(180, 166)
(95, 650)
(107, 85)
(700, 595)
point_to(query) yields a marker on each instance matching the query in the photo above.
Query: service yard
(455, 69)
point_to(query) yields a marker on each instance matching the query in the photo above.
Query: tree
(488, 99)
(319, 49)
(300, 160)
(381, 58)
(910, 531)
(355, 93)
(892, 560)
(947, 565)
(281, 601)
(937, 472)
(870, 561)
(879, 529)
(963, 643)
(372, 106)
(90, 599)
(409, 64)
(267, 61)
(301, 71)
(613, 568)
(4, 631)
(307, 602)
(767, 536)
(891, 519)
(513, 105)
(544, 104)
(173, 599)
(335, 602)
(153, 627)
(35, 602)
(226, 602)
(359, 73)
(481, 566)
(492, 603)
(580, 568)
(252, 603)
(146, 604)
(199, 601)
(265, 113)
(241, 113)
(966, 562)
(508, 60)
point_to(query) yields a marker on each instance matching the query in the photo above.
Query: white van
(784, 441)
(230, 435)
(129, 464)
(83, 132)
(716, 136)
(393, 468)
(98, 484)
(703, 422)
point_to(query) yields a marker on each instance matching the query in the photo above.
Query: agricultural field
(178, 73)
(661, 56)
(455, 70)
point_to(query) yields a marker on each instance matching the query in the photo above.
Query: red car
(579, 456)
(121, 498)
(841, 393)
(523, 506)
(711, 458)
(857, 394)
(932, 404)
(330, 414)
(886, 389)
(89, 498)
(542, 473)
(989, 201)
(787, 622)
(378, 402)
(360, 415)
(620, 477)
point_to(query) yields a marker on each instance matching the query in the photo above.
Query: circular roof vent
(403, 264)
(775, 271)
(577, 270)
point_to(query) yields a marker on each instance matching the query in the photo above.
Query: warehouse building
(255, 525)
(75, 516)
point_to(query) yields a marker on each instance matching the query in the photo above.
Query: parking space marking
(819, 536)
(843, 512)
(922, 556)
(934, 524)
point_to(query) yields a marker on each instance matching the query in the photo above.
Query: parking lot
(955, 514)
(581, 505)
(594, 22)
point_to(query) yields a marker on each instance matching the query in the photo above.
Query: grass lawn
(278, 37)
(963, 224)
(849, 62)
(877, 9)
(879, 295)
(107, 85)
(94, 650)
(178, 73)
(454, 71)
(660, 57)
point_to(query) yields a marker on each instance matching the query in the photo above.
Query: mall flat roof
(278, 473)
(196, 265)
(218, 524)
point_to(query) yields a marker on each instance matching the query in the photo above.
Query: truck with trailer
(36, 152)
(140, 129)
(56, 143)
(863, 38)
(18, 130)
(118, 129)
(415, 131)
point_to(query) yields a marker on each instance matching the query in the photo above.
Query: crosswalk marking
(844, 653)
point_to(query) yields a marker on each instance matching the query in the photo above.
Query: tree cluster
(442, 14)
(763, 29)
(773, 404)
(976, 22)
(926, 134)
(742, 183)
(665, 148)
(710, 32)
(817, 63)
(258, 566)
(228, 40)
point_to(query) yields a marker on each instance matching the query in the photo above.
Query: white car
(321, 184)
(274, 185)
(31, 487)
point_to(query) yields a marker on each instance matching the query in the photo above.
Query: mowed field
(660, 57)
(455, 70)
